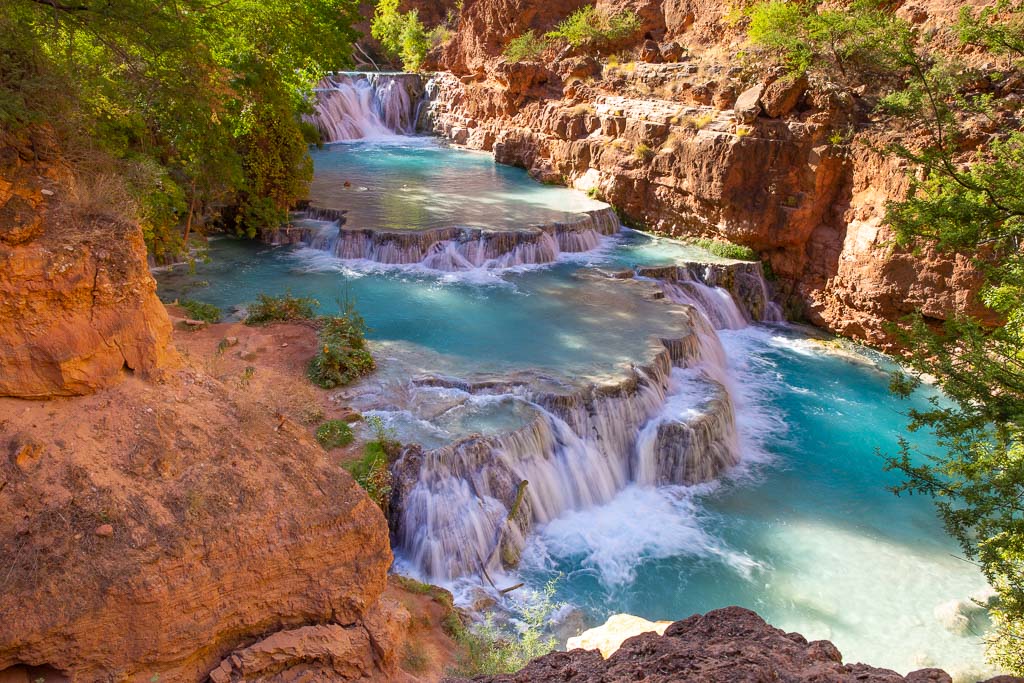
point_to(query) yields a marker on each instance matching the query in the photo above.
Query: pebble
(104, 530)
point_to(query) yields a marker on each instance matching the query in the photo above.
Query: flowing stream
(679, 453)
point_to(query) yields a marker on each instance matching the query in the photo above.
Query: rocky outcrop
(151, 529)
(609, 636)
(323, 652)
(724, 646)
(78, 305)
(701, 147)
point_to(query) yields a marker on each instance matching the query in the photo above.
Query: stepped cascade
(356, 105)
(466, 507)
(457, 248)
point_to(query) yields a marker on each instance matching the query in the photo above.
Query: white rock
(609, 637)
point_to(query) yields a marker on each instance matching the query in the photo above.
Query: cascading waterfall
(466, 507)
(353, 106)
(458, 248)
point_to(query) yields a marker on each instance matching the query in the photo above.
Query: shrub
(415, 41)
(698, 121)
(199, 310)
(725, 249)
(402, 35)
(490, 649)
(743, 131)
(281, 308)
(334, 434)
(526, 48)
(343, 356)
(373, 473)
(591, 27)
(642, 152)
(439, 35)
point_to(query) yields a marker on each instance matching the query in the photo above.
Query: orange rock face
(152, 528)
(696, 148)
(77, 303)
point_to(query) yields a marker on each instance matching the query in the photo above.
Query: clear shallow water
(416, 184)
(804, 531)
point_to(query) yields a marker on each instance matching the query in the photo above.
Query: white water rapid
(466, 508)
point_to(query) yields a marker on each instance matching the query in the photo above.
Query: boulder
(781, 96)
(649, 52)
(748, 104)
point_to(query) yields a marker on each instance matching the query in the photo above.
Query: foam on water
(639, 524)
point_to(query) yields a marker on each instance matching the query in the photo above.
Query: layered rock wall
(700, 145)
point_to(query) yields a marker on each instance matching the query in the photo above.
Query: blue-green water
(805, 531)
(413, 183)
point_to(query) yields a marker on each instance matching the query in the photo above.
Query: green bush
(342, 357)
(643, 152)
(373, 473)
(526, 48)
(491, 650)
(334, 434)
(201, 311)
(590, 27)
(401, 34)
(725, 249)
(281, 308)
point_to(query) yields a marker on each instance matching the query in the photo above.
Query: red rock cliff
(685, 141)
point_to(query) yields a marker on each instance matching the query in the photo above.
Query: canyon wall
(690, 140)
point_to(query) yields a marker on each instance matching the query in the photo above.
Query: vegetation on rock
(528, 47)
(190, 112)
(334, 434)
(725, 249)
(281, 308)
(964, 198)
(593, 28)
(342, 357)
(201, 311)
(373, 470)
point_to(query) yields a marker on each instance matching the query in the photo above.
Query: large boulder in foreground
(77, 302)
(731, 645)
(149, 530)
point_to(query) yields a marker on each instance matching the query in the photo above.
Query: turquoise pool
(804, 531)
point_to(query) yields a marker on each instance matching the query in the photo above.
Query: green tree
(401, 34)
(594, 28)
(194, 105)
(959, 201)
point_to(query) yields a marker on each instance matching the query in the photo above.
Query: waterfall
(454, 249)
(466, 507)
(730, 295)
(353, 106)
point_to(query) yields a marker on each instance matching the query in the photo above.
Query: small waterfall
(353, 106)
(730, 295)
(455, 249)
(715, 303)
(468, 506)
